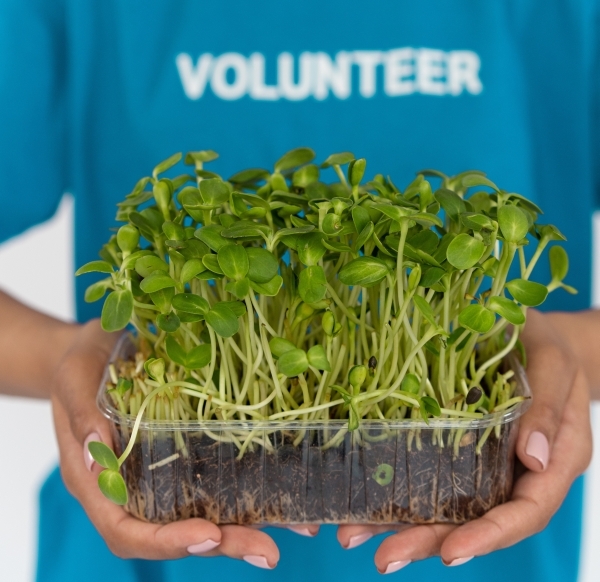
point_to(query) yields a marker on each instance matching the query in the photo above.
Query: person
(93, 95)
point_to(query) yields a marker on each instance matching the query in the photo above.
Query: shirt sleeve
(33, 132)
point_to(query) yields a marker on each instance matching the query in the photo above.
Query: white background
(48, 251)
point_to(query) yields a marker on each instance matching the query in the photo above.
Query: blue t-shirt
(94, 94)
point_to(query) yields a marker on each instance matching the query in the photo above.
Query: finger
(550, 370)
(308, 530)
(351, 536)
(77, 381)
(536, 496)
(128, 537)
(415, 543)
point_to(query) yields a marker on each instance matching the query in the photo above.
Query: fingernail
(538, 448)
(395, 566)
(301, 530)
(258, 561)
(87, 457)
(205, 546)
(355, 541)
(459, 561)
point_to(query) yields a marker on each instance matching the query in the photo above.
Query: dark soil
(376, 476)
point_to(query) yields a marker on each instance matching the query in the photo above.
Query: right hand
(76, 418)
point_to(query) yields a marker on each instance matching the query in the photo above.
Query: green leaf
(397, 213)
(365, 234)
(426, 219)
(312, 284)
(198, 357)
(250, 176)
(280, 346)
(190, 269)
(559, 263)
(123, 386)
(293, 363)
(262, 265)
(336, 247)
(233, 261)
(411, 384)
(361, 217)
(477, 318)
(471, 180)
(476, 221)
(156, 281)
(305, 176)
(211, 262)
(356, 171)
(294, 158)
(223, 320)
(317, 358)
(527, 292)
(431, 406)
(451, 202)
(364, 271)
(211, 236)
(97, 290)
(166, 164)
(508, 309)
(103, 455)
(245, 229)
(550, 232)
(310, 248)
(239, 288)
(513, 223)
(190, 303)
(168, 322)
(214, 191)
(129, 261)
(192, 158)
(268, 289)
(431, 276)
(338, 159)
(175, 352)
(425, 309)
(238, 307)
(128, 237)
(148, 264)
(113, 486)
(464, 251)
(94, 267)
(162, 299)
(117, 310)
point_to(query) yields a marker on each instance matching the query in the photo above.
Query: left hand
(554, 444)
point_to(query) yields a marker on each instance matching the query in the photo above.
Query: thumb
(551, 373)
(76, 385)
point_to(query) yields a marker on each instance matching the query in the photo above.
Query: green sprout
(283, 295)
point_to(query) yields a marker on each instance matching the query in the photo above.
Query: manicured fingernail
(355, 541)
(538, 448)
(459, 561)
(205, 546)
(395, 566)
(258, 561)
(87, 457)
(301, 530)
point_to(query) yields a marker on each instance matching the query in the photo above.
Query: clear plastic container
(447, 471)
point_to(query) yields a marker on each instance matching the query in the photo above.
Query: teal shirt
(94, 94)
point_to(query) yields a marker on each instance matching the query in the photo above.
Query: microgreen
(309, 292)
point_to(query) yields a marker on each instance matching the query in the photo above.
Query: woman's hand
(78, 421)
(554, 444)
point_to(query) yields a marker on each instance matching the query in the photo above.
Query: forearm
(31, 346)
(582, 330)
